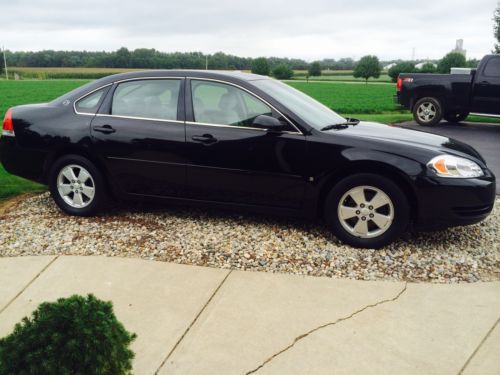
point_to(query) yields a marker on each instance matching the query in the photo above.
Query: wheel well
(389, 172)
(49, 161)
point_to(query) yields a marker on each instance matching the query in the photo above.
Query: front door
(486, 93)
(140, 135)
(231, 161)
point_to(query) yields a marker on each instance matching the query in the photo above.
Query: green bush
(451, 60)
(402, 67)
(261, 66)
(74, 335)
(315, 69)
(428, 68)
(282, 71)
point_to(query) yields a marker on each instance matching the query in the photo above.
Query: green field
(371, 102)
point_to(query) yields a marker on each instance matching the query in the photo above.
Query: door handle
(206, 139)
(485, 83)
(106, 129)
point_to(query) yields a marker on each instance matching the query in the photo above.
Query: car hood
(411, 138)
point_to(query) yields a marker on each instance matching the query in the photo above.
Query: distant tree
(282, 71)
(367, 67)
(473, 63)
(402, 67)
(428, 68)
(451, 60)
(497, 28)
(315, 69)
(122, 58)
(261, 66)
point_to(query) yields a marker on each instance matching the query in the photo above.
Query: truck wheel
(456, 117)
(428, 111)
(367, 210)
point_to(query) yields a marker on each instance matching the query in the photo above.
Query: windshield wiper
(342, 125)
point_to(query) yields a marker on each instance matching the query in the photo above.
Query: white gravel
(228, 240)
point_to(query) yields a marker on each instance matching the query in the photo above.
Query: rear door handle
(485, 83)
(106, 129)
(206, 139)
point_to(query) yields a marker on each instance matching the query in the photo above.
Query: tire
(81, 193)
(340, 205)
(428, 111)
(455, 118)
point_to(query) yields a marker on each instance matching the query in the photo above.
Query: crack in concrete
(304, 335)
(193, 322)
(27, 285)
(488, 334)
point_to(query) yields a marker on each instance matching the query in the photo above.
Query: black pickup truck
(432, 97)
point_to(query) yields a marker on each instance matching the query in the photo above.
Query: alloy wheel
(426, 112)
(365, 211)
(76, 186)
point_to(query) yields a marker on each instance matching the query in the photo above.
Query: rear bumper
(447, 202)
(16, 160)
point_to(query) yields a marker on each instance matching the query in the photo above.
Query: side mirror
(268, 122)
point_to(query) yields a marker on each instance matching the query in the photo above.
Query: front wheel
(367, 211)
(428, 111)
(76, 186)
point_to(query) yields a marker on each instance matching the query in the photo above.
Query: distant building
(387, 67)
(459, 47)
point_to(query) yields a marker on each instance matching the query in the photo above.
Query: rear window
(90, 103)
(493, 68)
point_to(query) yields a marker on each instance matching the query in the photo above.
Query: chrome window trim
(139, 118)
(236, 127)
(84, 96)
(249, 92)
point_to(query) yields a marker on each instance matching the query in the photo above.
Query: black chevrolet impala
(243, 141)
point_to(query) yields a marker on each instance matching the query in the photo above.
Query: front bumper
(447, 202)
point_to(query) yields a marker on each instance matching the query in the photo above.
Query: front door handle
(106, 129)
(485, 83)
(206, 139)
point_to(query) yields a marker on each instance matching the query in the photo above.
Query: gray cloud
(307, 29)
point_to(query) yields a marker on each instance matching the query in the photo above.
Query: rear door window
(493, 68)
(149, 99)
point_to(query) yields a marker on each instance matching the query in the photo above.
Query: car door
(231, 161)
(139, 132)
(486, 94)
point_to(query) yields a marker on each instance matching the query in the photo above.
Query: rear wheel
(367, 210)
(456, 117)
(76, 186)
(428, 111)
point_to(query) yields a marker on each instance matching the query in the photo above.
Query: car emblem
(66, 102)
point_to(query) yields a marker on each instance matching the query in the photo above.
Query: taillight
(399, 84)
(8, 125)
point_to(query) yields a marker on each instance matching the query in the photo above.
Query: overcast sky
(308, 29)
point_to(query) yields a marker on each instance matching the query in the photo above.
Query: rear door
(231, 161)
(486, 92)
(140, 135)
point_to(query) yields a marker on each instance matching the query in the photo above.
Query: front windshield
(311, 111)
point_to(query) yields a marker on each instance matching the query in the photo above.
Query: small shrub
(428, 68)
(402, 67)
(282, 71)
(315, 69)
(261, 66)
(74, 335)
(451, 60)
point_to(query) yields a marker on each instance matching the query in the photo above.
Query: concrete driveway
(484, 137)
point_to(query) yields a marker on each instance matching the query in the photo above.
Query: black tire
(427, 119)
(400, 210)
(96, 181)
(455, 118)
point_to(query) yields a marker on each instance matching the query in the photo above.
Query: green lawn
(371, 102)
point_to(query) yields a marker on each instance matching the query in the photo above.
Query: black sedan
(245, 141)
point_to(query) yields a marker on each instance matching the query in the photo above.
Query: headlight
(454, 167)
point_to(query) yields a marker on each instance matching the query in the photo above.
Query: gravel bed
(211, 238)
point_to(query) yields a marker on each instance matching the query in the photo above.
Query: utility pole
(5, 64)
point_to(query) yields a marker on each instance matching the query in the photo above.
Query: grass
(372, 102)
